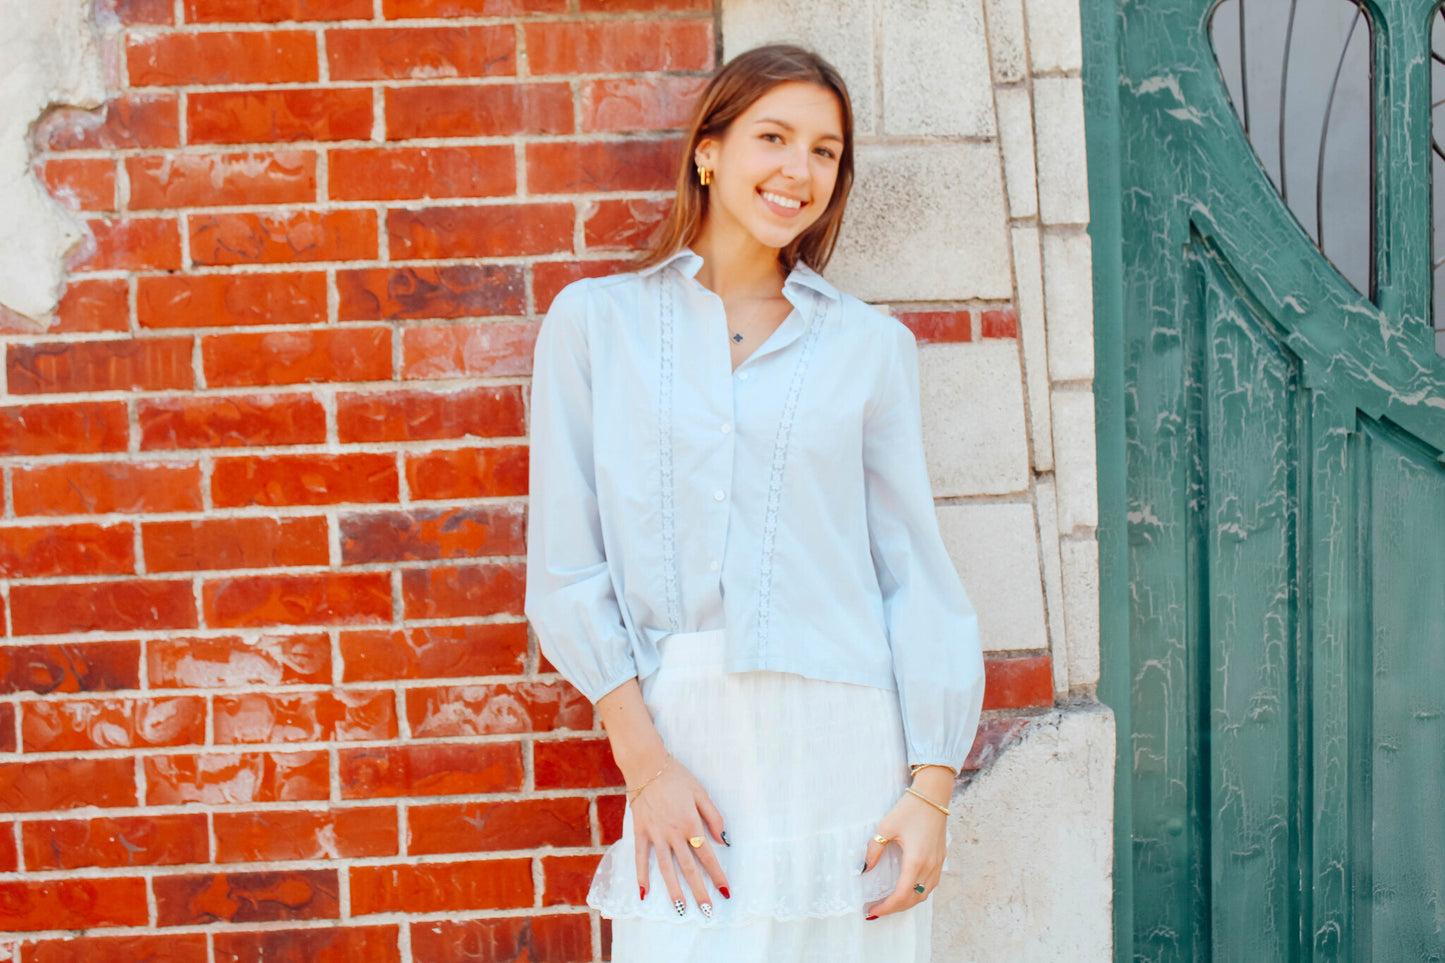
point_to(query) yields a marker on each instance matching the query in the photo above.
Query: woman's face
(774, 168)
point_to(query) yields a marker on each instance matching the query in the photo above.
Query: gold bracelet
(632, 794)
(914, 770)
(913, 792)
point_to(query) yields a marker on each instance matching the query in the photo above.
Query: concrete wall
(972, 196)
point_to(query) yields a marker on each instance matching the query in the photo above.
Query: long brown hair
(732, 90)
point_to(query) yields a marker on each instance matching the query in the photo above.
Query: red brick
(994, 736)
(156, 839)
(430, 770)
(72, 904)
(27, 787)
(496, 230)
(489, 110)
(402, 9)
(435, 533)
(171, 948)
(81, 183)
(133, 120)
(213, 300)
(221, 57)
(454, 291)
(475, 826)
(220, 543)
(295, 357)
(408, 173)
(619, 46)
(1003, 323)
(467, 472)
(421, 52)
(216, 421)
(451, 592)
(265, 717)
(614, 165)
(441, 887)
(1018, 683)
(267, 116)
(326, 599)
(305, 834)
(132, 364)
(230, 661)
(70, 667)
(574, 764)
(136, 12)
(203, 898)
(350, 944)
(119, 606)
(304, 480)
(622, 223)
(202, 180)
(77, 725)
(610, 813)
(566, 879)
(97, 488)
(285, 236)
(639, 103)
(91, 306)
(247, 777)
(475, 710)
(9, 742)
(129, 244)
(550, 277)
(468, 350)
(938, 326)
(36, 551)
(441, 651)
(272, 11)
(554, 938)
(62, 429)
(647, 6)
(486, 411)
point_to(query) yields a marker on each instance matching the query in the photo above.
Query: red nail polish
(870, 917)
(724, 890)
(642, 892)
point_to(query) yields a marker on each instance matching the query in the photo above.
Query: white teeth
(782, 201)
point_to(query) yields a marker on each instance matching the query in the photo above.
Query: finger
(903, 895)
(669, 878)
(693, 876)
(642, 849)
(712, 818)
(707, 856)
(875, 849)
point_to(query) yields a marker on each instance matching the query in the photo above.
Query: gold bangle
(913, 792)
(914, 770)
(632, 794)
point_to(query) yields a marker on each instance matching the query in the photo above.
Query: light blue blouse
(787, 501)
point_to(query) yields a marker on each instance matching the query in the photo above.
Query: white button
(718, 495)
(714, 566)
(726, 428)
(742, 376)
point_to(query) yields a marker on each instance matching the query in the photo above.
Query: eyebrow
(789, 127)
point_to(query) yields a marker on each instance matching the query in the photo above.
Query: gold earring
(704, 175)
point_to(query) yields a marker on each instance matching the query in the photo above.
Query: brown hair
(732, 90)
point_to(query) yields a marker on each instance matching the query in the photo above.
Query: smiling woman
(733, 552)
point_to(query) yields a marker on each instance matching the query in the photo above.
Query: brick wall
(266, 692)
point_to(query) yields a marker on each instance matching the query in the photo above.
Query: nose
(795, 164)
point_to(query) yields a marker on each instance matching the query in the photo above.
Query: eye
(826, 152)
(772, 138)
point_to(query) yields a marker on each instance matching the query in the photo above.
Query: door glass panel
(1437, 166)
(1298, 75)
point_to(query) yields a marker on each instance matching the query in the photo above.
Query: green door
(1278, 537)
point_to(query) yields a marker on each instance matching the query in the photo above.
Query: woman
(732, 551)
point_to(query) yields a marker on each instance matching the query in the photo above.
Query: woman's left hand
(921, 832)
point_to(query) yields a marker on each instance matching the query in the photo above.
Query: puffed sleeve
(932, 628)
(570, 598)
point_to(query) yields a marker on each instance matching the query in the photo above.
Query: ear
(705, 155)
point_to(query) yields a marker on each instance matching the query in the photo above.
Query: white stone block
(1016, 144)
(1076, 462)
(1059, 146)
(994, 546)
(1031, 844)
(1046, 504)
(925, 222)
(935, 69)
(973, 419)
(1028, 272)
(1081, 608)
(841, 32)
(1055, 39)
(1008, 51)
(1069, 304)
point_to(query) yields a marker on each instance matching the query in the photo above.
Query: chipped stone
(1059, 144)
(1075, 461)
(1069, 304)
(973, 418)
(935, 69)
(994, 546)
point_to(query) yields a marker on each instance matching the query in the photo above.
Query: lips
(781, 203)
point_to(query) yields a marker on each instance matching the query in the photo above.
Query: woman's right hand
(670, 810)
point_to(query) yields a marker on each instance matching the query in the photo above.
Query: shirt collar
(689, 262)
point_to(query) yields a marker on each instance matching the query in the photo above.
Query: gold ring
(695, 842)
(881, 839)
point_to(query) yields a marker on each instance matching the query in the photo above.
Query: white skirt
(802, 771)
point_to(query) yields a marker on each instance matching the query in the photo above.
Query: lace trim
(666, 364)
(775, 486)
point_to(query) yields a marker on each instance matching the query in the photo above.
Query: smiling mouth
(790, 203)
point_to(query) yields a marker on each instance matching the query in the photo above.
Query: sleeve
(570, 598)
(932, 628)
